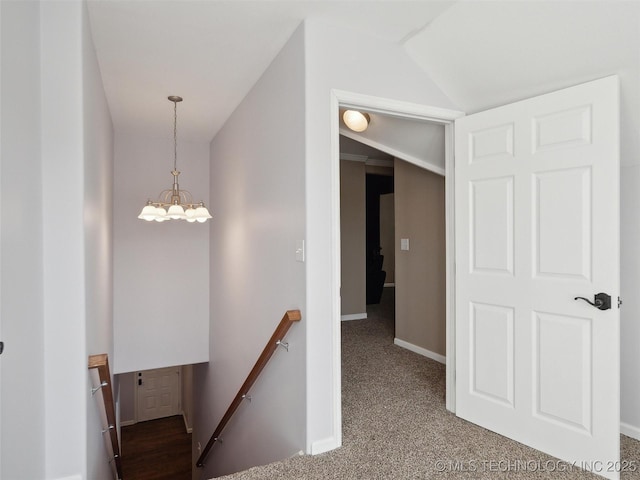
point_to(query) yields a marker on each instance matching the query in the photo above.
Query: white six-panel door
(158, 393)
(537, 224)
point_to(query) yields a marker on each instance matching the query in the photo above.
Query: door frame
(405, 110)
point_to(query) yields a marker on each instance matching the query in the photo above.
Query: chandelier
(173, 203)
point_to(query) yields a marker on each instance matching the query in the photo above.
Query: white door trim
(406, 110)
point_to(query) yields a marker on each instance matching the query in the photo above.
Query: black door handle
(601, 301)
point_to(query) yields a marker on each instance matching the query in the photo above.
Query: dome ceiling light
(355, 120)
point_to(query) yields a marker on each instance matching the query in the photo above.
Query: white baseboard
(127, 423)
(630, 430)
(421, 351)
(325, 445)
(354, 316)
(186, 425)
(72, 477)
(392, 284)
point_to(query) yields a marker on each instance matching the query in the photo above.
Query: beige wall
(353, 241)
(420, 272)
(387, 236)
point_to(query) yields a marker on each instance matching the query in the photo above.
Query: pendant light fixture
(173, 203)
(355, 120)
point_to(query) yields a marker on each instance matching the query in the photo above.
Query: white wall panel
(22, 392)
(630, 279)
(161, 270)
(98, 226)
(343, 59)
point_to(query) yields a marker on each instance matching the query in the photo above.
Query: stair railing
(101, 364)
(273, 343)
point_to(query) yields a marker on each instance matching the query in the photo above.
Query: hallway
(156, 450)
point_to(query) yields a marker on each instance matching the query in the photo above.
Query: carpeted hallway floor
(395, 425)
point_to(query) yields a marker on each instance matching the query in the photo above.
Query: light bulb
(356, 121)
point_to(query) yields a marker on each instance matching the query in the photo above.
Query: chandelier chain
(175, 136)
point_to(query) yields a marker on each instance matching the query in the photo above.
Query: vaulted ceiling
(212, 52)
(481, 54)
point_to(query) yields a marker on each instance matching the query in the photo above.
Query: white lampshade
(176, 212)
(190, 214)
(161, 215)
(202, 214)
(148, 213)
(356, 121)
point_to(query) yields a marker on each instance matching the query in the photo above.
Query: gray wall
(258, 201)
(420, 272)
(56, 267)
(339, 59)
(98, 242)
(22, 393)
(148, 256)
(352, 238)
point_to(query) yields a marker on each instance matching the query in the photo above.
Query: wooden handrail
(279, 333)
(101, 363)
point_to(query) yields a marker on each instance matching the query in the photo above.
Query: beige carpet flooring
(395, 425)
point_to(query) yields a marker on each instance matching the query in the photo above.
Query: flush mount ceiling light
(355, 120)
(173, 203)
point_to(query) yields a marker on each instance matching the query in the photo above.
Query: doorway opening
(393, 237)
(406, 111)
(156, 414)
(393, 228)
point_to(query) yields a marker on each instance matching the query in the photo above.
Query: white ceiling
(499, 52)
(486, 54)
(212, 52)
(481, 54)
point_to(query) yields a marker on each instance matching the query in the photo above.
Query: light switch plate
(404, 244)
(299, 250)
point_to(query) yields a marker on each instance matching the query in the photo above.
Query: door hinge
(619, 302)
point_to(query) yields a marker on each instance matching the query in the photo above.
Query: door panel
(492, 359)
(537, 224)
(158, 393)
(492, 225)
(564, 397)
(569, 219)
